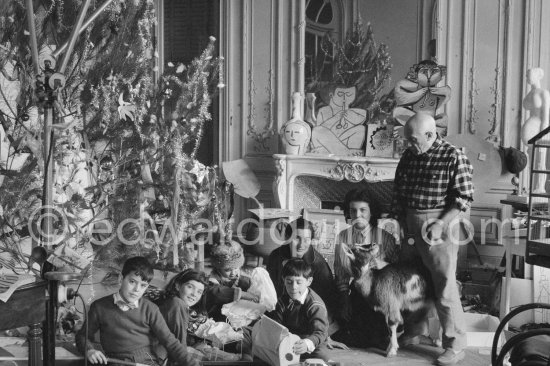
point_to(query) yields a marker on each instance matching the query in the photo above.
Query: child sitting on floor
(302, 311)
(226, 284)
(127, 322)
(183, 292)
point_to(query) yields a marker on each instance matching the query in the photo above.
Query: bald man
(432, 189)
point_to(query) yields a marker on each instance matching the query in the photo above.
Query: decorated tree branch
(357, 61)
(124, 141)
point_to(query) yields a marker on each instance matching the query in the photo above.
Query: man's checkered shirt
(438, 178)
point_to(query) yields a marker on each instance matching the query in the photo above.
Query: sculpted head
(535, 75)
(296, 133)
(420, 132)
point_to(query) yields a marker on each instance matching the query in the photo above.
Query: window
(187, 26)
(322, 17)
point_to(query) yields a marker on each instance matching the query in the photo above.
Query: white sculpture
(537, 102)
(296, 133)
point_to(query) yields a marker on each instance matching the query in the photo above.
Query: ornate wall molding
(246, 71)
(356, 172)
(301, 30)
(260, 137)
(494, 135)
(269, 105)
(473, 90)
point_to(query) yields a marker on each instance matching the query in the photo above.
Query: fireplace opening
(324, 193)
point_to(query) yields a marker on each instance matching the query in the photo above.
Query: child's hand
(95, 356)
(300, 347)
(250, 297)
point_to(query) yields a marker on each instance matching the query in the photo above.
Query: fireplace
(321, 181)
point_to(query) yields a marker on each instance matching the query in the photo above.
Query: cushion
(531, 349)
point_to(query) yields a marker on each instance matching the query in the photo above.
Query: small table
(27, 307)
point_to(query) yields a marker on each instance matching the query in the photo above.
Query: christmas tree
(357, 61)
(124, 140)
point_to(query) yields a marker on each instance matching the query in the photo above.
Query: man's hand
(300, 347)
(95, 356)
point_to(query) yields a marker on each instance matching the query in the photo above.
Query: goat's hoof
(391, 351)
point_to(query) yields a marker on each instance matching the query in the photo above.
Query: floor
(419, 355)
(411, 356)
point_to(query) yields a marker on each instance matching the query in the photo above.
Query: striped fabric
(438, 178)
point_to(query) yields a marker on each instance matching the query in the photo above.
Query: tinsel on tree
(125, 142)
(357, 61)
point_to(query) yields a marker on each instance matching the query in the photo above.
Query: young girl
(182, 299)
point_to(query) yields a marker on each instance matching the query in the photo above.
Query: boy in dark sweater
(302, 311)
(127, 323)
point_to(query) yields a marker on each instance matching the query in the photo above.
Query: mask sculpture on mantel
(296, 133)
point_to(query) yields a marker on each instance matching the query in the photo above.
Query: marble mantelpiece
(338, 168)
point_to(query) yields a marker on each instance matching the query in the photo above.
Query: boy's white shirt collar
(117, 298)
(302, 298)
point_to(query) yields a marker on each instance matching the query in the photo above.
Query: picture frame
(379, 140)
(327, 224)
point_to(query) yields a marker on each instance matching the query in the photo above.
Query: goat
(391, 290)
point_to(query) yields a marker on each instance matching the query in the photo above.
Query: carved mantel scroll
(353, 169)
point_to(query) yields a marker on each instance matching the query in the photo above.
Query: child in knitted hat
(227, 284)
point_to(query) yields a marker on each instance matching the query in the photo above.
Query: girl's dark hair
(363, 195)
(171, 289)
(296, 267)
(139, 266)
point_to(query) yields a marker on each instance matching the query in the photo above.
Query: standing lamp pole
(49, 84)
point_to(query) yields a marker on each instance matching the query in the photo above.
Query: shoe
(408, 340)
(449, 357)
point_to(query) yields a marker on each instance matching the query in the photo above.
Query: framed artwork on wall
(379, 140)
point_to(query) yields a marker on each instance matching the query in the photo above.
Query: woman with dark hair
(182, 303)
(360, 325)
(362, 211)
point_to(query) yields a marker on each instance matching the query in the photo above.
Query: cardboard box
(480, 330)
